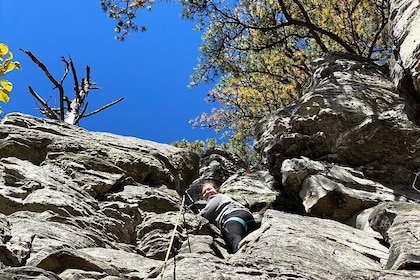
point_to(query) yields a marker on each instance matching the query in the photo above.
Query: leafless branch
(66, 70)
(51, 78)
(75, 79)
(49, 112)
(103, 107)
(43, 67)
(81, 115)
(61, 93)
(70, 110)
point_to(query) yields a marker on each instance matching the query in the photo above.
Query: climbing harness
(240, 220)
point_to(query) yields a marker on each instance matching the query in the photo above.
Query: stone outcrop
(350, 116)
(404, 29)
(76, 204)
(67, 194)
(399, 225)
(346, 151)
(338, 197)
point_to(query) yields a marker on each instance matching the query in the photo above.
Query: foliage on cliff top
(6, 65)
(259, 51)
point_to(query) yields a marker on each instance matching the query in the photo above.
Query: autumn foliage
(6, 65)
(259, 52)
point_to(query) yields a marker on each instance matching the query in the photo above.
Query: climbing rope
(186, 231)
(414, 183)
(178, 218)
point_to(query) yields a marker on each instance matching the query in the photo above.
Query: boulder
(351, 116)
(399, 224)
(288, 246)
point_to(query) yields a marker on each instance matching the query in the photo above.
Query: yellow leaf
(4, 95)
(6, 85)
(3, 50)
(10, 66)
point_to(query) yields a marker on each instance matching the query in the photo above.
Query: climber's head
(208, 188)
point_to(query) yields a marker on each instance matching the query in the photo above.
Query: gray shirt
(219, 205)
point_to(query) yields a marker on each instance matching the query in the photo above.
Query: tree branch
(74, 73)
(103, 108)
(61, 92)
(79, 116)
(384, 23)
(313, 29)
(48, 111)
(66, 70)
(51, 78)
(43, 67)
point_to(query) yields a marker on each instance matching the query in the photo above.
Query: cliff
(337, 196)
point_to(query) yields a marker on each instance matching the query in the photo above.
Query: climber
(233, 219)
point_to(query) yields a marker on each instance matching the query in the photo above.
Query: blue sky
(150, 70)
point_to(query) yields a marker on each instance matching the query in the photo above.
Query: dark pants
(234, 231)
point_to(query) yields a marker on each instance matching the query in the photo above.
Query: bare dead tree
(70, 110)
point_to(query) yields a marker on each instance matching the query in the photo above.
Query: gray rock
(351, 116)
(27, 273)
(256, 190)
(405, 66)
(289, 247)
(332, 191)
(399, 224)
(76, 204)
(110, 156)
(368, 274)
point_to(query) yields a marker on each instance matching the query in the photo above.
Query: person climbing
(233, 219)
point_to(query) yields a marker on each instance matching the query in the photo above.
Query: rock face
(350, 116)
(70, 198)
(339, 198)
(76, 204)
(404, 29)
(346, 151)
